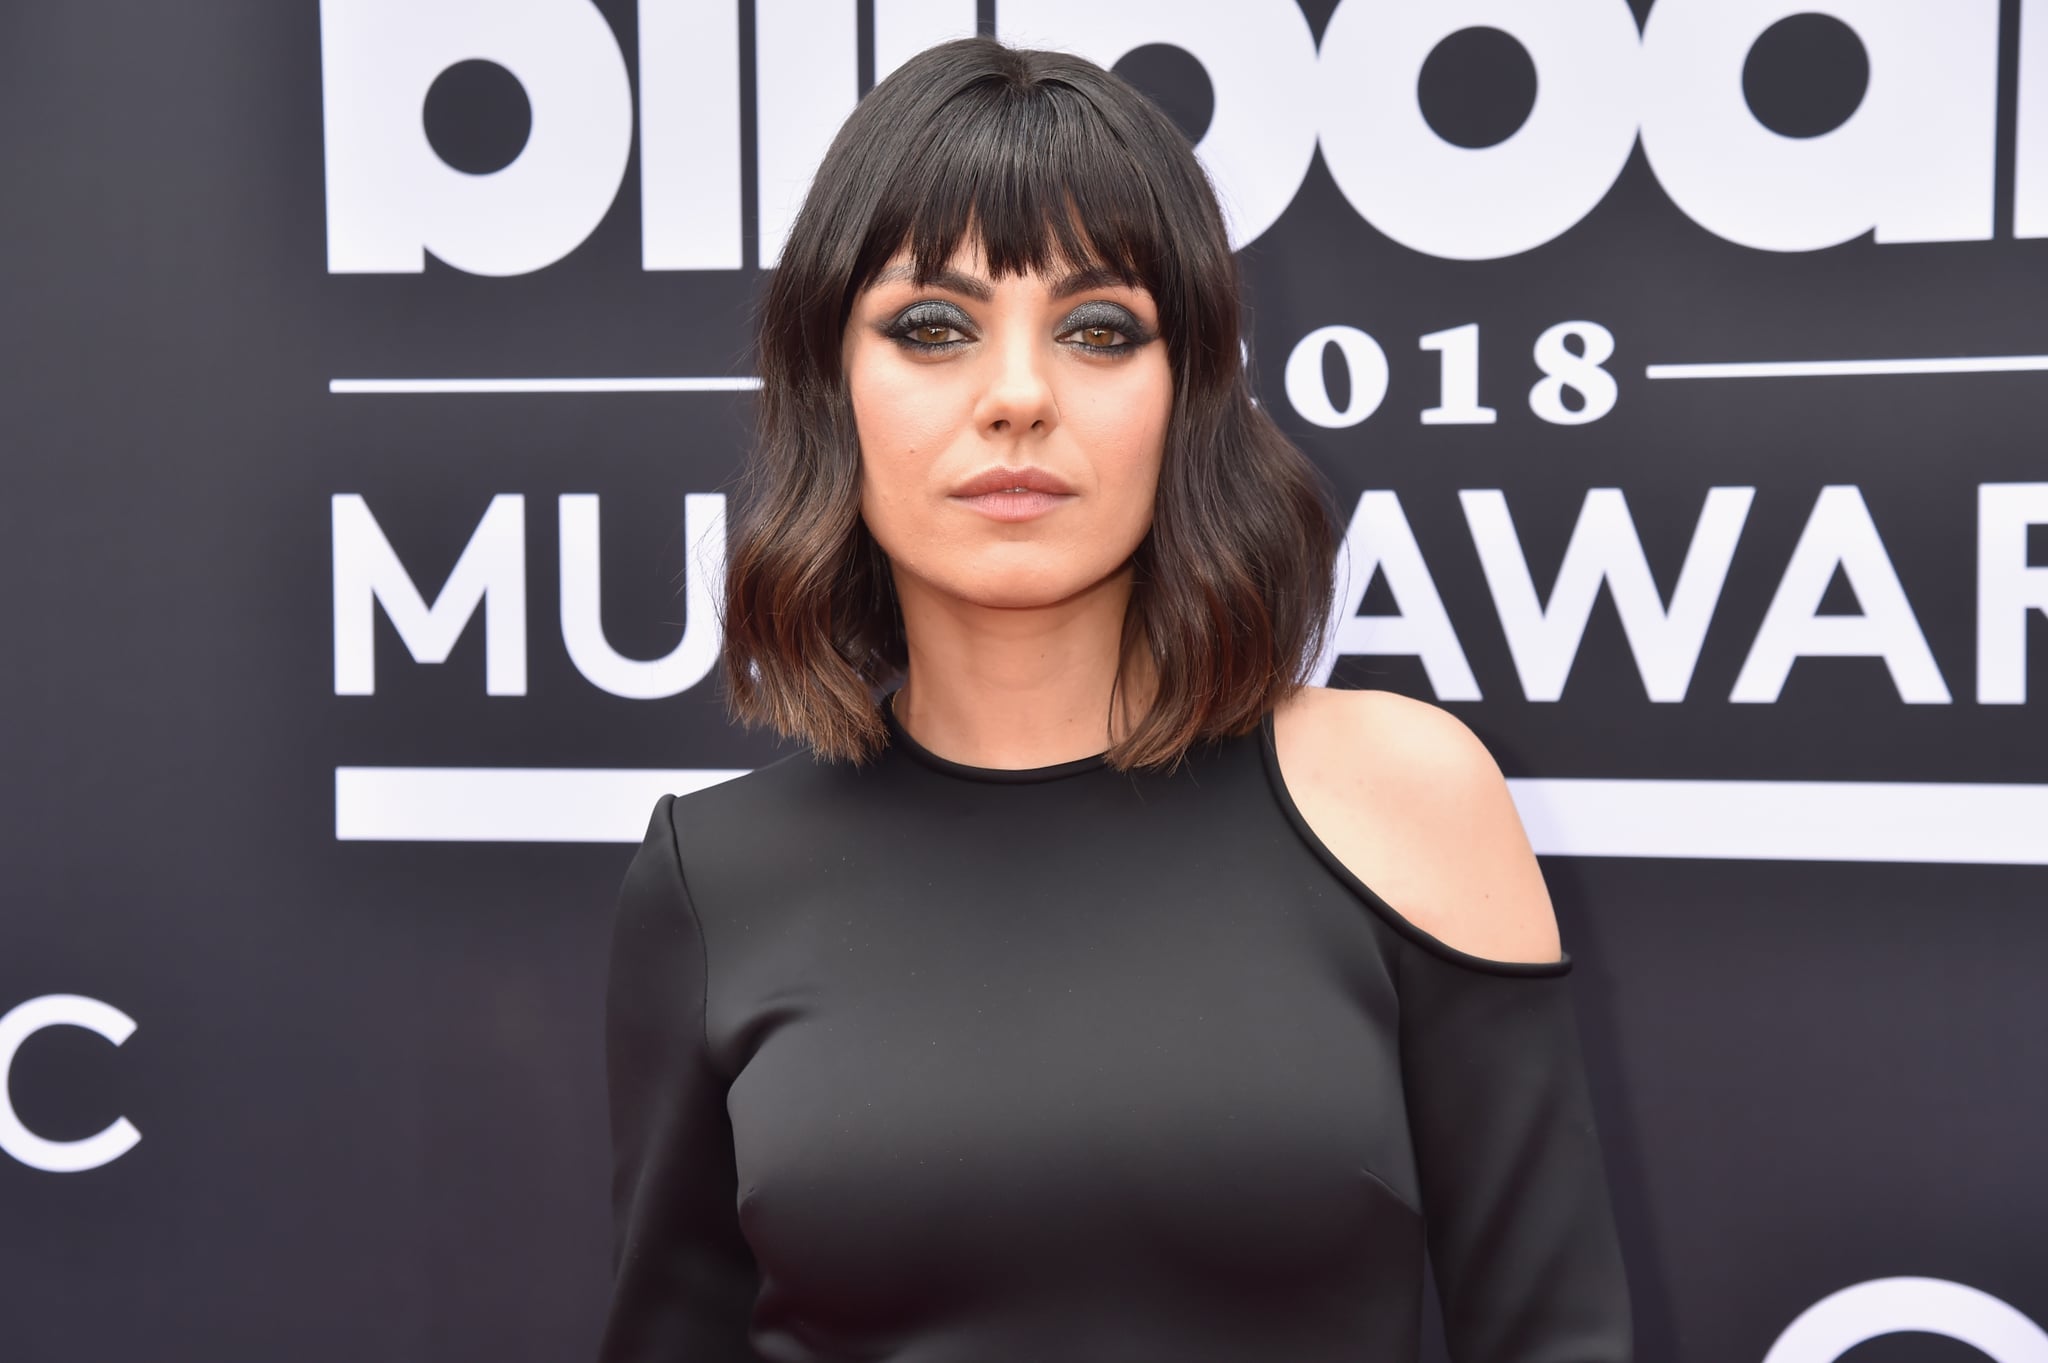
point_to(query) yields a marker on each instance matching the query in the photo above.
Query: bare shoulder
(1410, 800)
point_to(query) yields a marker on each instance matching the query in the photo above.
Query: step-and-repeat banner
(375, 374)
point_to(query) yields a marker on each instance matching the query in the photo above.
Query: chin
(1015, 591)
(1015, 586)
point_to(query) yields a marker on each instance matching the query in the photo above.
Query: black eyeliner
(1112, 316)
(1095, 314)
(926, 313)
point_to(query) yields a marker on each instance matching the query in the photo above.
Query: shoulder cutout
(1406, 804)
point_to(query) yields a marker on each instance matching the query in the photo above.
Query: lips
(1019, 494)
(1030, 478)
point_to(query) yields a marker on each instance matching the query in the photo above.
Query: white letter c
(61, 1157)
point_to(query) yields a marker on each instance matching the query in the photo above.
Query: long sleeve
(1515, 1201)
(684, 1280)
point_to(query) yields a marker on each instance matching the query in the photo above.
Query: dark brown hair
(1048, 157)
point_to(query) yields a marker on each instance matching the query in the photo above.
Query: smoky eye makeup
(930, 315)
(1100, 314)
(935, 315)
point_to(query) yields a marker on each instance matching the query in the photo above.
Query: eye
(1105, 329)
(1099, 338)
(929, 327)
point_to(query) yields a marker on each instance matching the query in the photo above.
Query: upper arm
(683, 1281)
(1408, 798)
(1519, 1222)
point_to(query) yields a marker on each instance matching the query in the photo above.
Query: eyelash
(920, 320)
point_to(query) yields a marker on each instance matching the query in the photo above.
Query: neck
(1017, 687)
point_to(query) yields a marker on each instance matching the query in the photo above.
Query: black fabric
(931, 1063)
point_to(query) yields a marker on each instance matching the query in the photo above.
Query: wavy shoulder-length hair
(1050, 160)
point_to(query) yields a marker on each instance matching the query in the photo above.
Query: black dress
(932, 1063)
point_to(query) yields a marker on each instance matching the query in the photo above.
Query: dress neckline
(900, 737)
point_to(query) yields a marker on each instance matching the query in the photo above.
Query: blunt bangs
(1038, 177)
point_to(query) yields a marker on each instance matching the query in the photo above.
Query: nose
(1018, 395)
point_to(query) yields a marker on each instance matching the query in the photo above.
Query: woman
(1100, 991)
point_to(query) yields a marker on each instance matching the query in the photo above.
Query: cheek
(905, 419)
(902, 411)
(1123, 426)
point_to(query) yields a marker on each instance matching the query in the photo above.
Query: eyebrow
(979, 289)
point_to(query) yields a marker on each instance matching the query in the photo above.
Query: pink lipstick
(1013, 494)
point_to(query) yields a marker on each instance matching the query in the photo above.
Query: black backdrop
(363, 1093)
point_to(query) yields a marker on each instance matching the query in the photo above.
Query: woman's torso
(1009, 1051)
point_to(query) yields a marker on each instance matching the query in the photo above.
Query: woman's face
(1057, 383)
